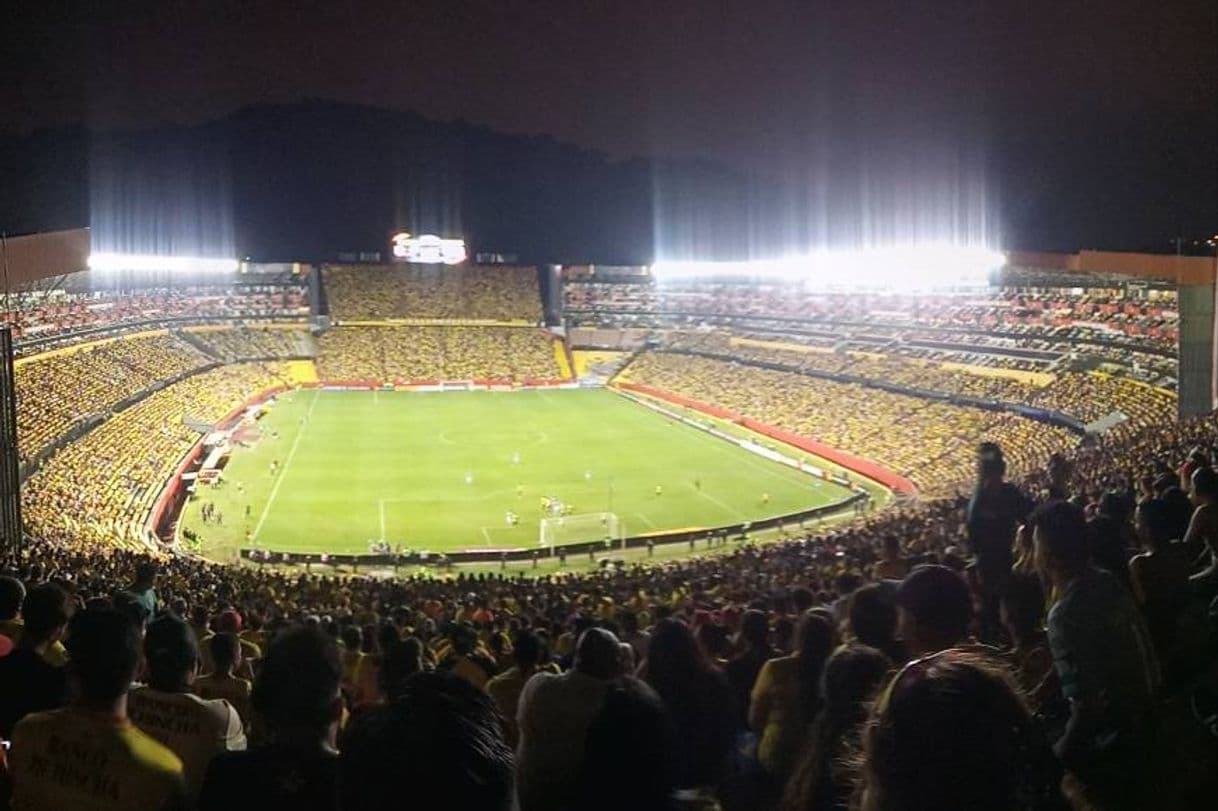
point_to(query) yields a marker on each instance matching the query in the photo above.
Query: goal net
(581, 528)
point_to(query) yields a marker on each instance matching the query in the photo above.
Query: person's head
(47, 609)
(171, 654)
(628, 753)
(225, 652)
(873, 615)
(353, 638)
(755, 629)
(441, 732)
(674, 658)
(145, 574)
(401, 660)
(136, 611)
(229, 622)
(104, 651)
(1157, 523)
(952, 732)
(1204, 486)
(991, 464)
(200, 616)
(1061, 539)
(527, 650)
(852, 677)
(12, 595)
(1022, 606)
(296, 692)
(596, 654)
(935, 608)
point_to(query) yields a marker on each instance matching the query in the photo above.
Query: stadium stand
(436, 353)
(929, 442)
(254, 344)
(99, 489)
(474, 292)
(58, 391)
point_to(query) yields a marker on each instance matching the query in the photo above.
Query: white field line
(486, 535)
(724, 505)
(382, 506)
(283, 471)
(646, 520)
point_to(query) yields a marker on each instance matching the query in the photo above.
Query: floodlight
(900, 267)
(114, 262)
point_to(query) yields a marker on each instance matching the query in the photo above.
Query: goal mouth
(564, 530)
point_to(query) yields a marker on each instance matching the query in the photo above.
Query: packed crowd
(1085, 397)
(927, 441)
(99, 489)
(436, 353)
(1151, 321)
(1043, 644)
(57, 391)
(463, 292)
(47, 318)
(245, 343)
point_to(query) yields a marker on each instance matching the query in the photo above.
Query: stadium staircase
(306, 347)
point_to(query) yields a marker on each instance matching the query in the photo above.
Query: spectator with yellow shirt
(89, 754)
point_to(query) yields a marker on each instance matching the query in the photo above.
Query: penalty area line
(283, 471)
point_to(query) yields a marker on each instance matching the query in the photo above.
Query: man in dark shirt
(297, 695)
(27, 683)
(1104, 658)
(995, 512)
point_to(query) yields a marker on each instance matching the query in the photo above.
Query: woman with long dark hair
(821, 780)
(787, 695)
(698, 700)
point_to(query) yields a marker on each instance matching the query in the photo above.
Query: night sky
(786, 90)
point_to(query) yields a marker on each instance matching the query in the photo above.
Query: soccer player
(698, 484)
(519, 491)
(659, 490)
(765, 498)
(588, 475)
(516, 458)
(469, 477)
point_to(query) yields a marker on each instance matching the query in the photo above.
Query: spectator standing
(195, 729)
(554, 715)
(697, 699)
(116, 766)
(995, 511)
(786, 696)
(822, 779)
(1104, 658)
(144, 587)
(222, 681)
(27, 683)
(753, 651)
(297, 697)
(505, 689)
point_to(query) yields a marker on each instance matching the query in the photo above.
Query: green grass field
(361, 466)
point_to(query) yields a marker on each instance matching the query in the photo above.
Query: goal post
(569, 529)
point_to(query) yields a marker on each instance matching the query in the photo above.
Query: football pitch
(332, 471)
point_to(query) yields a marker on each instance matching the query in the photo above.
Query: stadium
(424, 447)
(416, 413)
